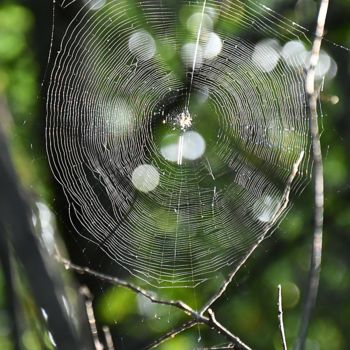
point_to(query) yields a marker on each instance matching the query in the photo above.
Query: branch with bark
(316, 255)
(280, 318)
(206, 317)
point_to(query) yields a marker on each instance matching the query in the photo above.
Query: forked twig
(316, 256)
(119, 282)
(196, 317)
(280, 318)
(280, 209)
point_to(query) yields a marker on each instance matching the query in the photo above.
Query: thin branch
(196, 317)
(316, 256)
(108, 338)
(117, 281)
(280, 318)
(85, 292)
(283, 205)
(212, 323)
(238, 344)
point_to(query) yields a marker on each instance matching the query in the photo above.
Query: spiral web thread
(174, 137)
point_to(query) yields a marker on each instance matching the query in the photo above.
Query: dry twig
(280, 318)
(85, 292)
(280, 209)
(314, 274)
(108, 338)
(196, 317)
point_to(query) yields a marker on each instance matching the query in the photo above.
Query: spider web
(174, 133)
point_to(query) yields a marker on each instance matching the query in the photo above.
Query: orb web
(174, 131)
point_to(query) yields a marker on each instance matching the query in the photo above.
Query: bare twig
(108, 338)
(280, 209)
(314, 274)
(117, 281)
(85, 292)
(196, 317)
(280, 318)
(222, 330)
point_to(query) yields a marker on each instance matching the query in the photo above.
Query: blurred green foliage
(248, 308)
(19, 92)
